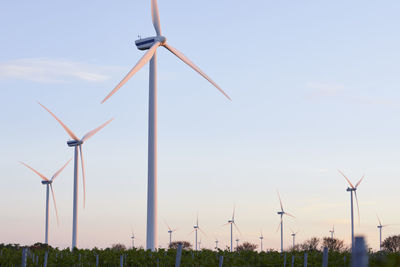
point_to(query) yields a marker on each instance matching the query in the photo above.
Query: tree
(185, 245)
(119, 247)
(391, 243)
(246, 246)
(311, 244)
(333, 244)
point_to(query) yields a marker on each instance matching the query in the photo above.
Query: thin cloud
(52, 70)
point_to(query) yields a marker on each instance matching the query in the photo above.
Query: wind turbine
(352, 189)
(49, 183)
(151, 44)
(170, 231)
(281, 213)
(195, 229)
(216, 244)
(77, 143)
(332, 231)
(232, 223)
(237, 243)
(380, 226)
(293, 236)
(261, 241)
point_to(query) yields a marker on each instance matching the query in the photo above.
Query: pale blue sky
(314, 88)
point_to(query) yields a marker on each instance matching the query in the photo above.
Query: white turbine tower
(261, 241)
(195, 229)
(77, 144)
(237, 243)
(281, 213)
(216, 244)
(170, 231)
(294, 237)
(49, 183)
(151, 44)
(380, 226)
(332, 231)
(232, 223)
(352, 189)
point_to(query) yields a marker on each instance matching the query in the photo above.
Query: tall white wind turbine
(49, 183)
(170, 231)
(195, 229)
(380, 226)
(133, 238)
(151, 44)
(232, 223)
(294, 237)
(261, 241)
(332, 231)
(281, 213)
(77, 143)
(352, 189)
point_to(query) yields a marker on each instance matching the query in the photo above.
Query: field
(12, 256)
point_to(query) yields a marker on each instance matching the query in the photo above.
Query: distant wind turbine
(294, 237)
(332, 231)
(232, 223)
(352, 189)
(281, 213)
(49, 183)
(237, 243)
(380, 226)
(195, 229)
(170, 231)
(216, 244)
(77, 143)
(152, 44)
(261, 241)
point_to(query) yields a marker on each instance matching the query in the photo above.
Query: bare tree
(333, 244)
(391, 243)
(246, 246)
(185, 245)
(310, 244)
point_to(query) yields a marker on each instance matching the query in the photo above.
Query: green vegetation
(11, 255)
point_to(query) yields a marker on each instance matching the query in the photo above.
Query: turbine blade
(233, 214)
(197, 220)
(288, 214)
(69, 132)
(379, 220)
(60, 170)
(35, 171)
(83, 176)
(358, 208)
(279, 225)
(202, 232)
(192, 231)
(280, 201)
(169, 228)
(358, 183)
(237, 228)
(193, 66)
(93, 132)
(54, 201)
(146, 57)
(155, 17)
(352, 186)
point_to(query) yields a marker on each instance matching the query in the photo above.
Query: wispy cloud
(53, 70)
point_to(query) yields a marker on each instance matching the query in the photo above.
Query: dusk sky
(314, 88)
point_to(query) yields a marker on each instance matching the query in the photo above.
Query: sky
(314, 88)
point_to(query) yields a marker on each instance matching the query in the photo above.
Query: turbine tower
(195, 229)
(49, 183)
(261, 241)
(332, 231)
(216, 244)
(151, 44)
(170, 231)
(352, 189)
(77, 144)
(232, 223)
(380, 226)
(237, 243)
(294, 237)
(281, 213)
